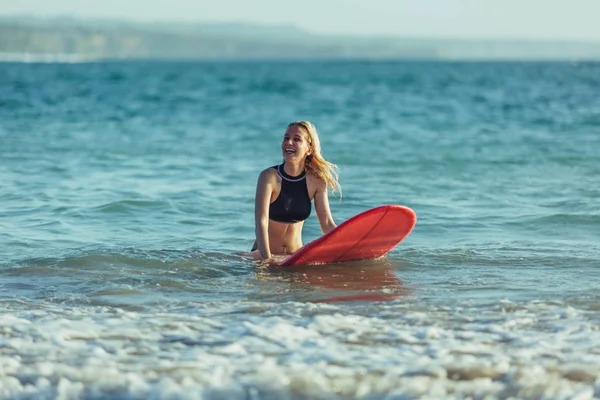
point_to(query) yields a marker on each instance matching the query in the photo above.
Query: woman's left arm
(322, 208)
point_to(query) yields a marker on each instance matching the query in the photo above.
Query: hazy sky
(552, 19)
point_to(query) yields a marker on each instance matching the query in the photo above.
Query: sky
(502, 19)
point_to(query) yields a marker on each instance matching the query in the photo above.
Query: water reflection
(369, 280)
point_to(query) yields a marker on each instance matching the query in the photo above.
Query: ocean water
(127, 190)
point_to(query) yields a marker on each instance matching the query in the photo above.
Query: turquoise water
(127, 195)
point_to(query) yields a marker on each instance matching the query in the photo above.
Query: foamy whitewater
(127, 196)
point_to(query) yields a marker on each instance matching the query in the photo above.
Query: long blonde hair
(315, 163)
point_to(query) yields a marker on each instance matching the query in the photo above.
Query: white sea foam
(528, 351)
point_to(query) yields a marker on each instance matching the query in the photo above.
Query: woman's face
(296, 144)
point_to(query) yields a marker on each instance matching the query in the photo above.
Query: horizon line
(302, 30)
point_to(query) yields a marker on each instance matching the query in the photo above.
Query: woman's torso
(285, 237)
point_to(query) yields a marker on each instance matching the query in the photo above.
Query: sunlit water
(127, 195)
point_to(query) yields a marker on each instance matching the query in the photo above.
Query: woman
(284, 193)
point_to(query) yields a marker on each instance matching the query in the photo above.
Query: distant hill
(25, 38)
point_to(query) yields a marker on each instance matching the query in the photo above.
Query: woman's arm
(323, 210)
(264, 188)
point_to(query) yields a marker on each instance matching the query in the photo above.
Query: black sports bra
(293, 203)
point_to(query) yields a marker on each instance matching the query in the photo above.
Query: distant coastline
(29, 39)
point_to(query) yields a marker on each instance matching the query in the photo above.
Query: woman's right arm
(264, 188)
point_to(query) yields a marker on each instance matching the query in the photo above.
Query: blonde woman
(284, 193)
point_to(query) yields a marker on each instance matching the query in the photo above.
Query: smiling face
(296, 144)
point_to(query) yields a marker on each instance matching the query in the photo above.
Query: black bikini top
(293, 202)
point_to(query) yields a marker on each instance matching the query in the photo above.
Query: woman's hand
(272, 261)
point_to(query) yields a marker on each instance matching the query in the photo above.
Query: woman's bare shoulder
(314, 180)
(269, 170)
(268, 175)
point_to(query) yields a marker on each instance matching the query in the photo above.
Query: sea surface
(126, 198)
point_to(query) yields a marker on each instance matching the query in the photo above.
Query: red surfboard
(368, 235)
